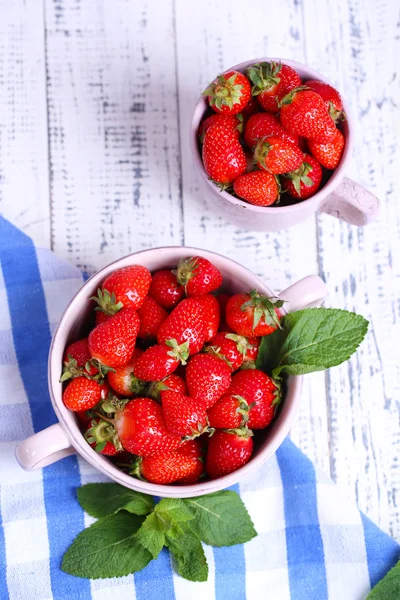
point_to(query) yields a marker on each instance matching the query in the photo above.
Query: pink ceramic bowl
(340, 197)
(65, 438)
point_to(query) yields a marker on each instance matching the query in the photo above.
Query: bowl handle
(352, 202)
(305, 293)
(43, 448)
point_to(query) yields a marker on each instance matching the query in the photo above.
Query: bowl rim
(282, 425)
(315, 200)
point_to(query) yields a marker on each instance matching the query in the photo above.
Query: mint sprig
(389, 587)
(313, 339)
(124, 540)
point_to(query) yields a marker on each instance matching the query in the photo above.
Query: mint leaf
(221, 519)
(151, 534)
(187, 553)
(102, 499)
(319, 338)
(170, 510)
(268, 352)
(389, 587)
(108, 548)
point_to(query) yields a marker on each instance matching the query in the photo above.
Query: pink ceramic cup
(340, 197)
(64, 438)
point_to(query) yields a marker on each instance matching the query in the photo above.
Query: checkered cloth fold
(311, 544)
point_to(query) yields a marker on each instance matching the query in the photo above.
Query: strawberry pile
(271, 133)
(166, 383)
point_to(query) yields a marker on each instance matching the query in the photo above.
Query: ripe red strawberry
(129, 285)
(330, 96)
(252, 314)
(112, 342)
(84, 418)
(207, 378)
(258, 187)
(250, 109)
(230, 412)
(223, 301)
(227, 452)
(271, 82)
(184, 416)
(172, 383)
(165, 289)
(100, 315)
(184, 324)
(328, 154)
(82, 394)
(235, 348)
(223, 156)
(225, 347)
(141, 428)
(198, 275)
(76, 360)
(304, 112)
(160, 360)
(260, 393)
(102, 437)
(231, 122)
(123, 381)
(229, 93)
(253, 344)
(184, 465)
(263, 125)
(305, 181)
(152, 316)
(277, 155)
(211, 315)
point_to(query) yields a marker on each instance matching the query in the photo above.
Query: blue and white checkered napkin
(311, 544)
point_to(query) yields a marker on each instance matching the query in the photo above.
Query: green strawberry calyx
(288, 99)
(264, 76)
(179, 351)
(216, 351)
(136, 385)
(243, 431)
(242, 343)
(243, 408)
(106, 302)
(261, 152)
(199, 431)
(224, 92)
(336, 114)
(301, 176)
(186, 270)
(264, 307)
(100, 433)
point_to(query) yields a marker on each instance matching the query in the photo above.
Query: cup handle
(305, 293)
(43, 448)
(353, 203)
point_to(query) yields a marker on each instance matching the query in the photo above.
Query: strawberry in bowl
(250, 147)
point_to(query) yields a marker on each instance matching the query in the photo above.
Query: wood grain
(113, 130)
(24, 175)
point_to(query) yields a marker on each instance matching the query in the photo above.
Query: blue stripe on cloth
(230, 570)
(305, 551)
(382, 551)
(31, 334)
(155, 581)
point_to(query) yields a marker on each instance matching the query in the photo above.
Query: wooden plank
(115, 175)
(24, 180)
(355, 46)
(216, 39)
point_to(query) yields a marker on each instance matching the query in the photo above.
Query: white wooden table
(95, 103)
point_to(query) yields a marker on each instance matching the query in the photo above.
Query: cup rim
(315, 200)
(282, 425)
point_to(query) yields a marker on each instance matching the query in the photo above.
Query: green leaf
(102, 499)
(319, 338)
(268, 352)
(170, 510)
(151, 534)
(108, 548)
(221, 519)
(187, 553)
(389, 587)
